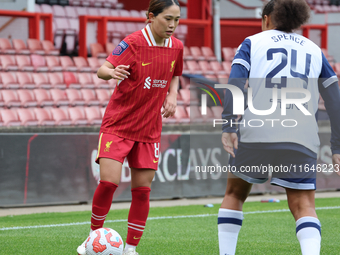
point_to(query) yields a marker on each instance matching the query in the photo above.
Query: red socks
(138, 214)
(101, 203)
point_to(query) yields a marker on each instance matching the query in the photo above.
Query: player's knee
(236, 193)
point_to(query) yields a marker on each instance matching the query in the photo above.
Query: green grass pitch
(268, 228)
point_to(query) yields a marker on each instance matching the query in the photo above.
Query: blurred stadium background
(51, 101)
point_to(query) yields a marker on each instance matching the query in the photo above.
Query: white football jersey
(277, 62)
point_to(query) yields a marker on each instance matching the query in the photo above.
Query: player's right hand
(120, 72)
(230, 141)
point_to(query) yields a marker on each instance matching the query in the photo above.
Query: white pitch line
(155, 218)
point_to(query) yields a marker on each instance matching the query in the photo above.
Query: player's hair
(158, 6)
(287, 15)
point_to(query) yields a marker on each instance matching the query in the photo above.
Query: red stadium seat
(81, 64)
(90, 97)
(49, 48)
(104, 12)
(228, 53)
(185, 68)
(212, 77)
(8, 63)
(85, 79)
(43, 97)
(181, 115)
(103, 96)
(124, 13)
(39, 63)
(185, 82)
(217, 111)
(109, 48)
(1, 122)
(37, 8)
(93, 115)
(53, 63)
(74, 2)
(223, 78)
(71, 80)
(70, 12)
(93, 11)
(194, 67)
(2, 103)
(131, 27)
(61, 116)
(20, 47)
(27, 117)
(111, 31)
(27, 98)
(112, 83)
(227, 66)
(135, 14)
(57, 80)
(205, 67)
(114, 13)
(197, 53)
(44, 117)
(208, 53)
(6, 46)
(58, 11)
(64, 32)
(81, 11)
(97, 50)
(181, 32)
(120, 30)
(187, 54)
(217, 67)
(94, 63)
(10, 118)
(59, 97)
(35, 47)
(85, 3)
(41, 80)
(185, 94)
(10, 98)
(75, 97)
(9, 80)
(67, 64)
(77, 115)
(24, 63)
(194, 114)
(102, 111)
(25, 80)
(100, 83)
(45, 8)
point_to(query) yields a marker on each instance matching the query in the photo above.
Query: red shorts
(139, 155)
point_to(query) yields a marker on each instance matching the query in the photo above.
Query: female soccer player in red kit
(147, 65)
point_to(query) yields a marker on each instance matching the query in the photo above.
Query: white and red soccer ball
(104, 241)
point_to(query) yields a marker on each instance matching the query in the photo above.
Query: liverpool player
(147, 65)
(278, 61)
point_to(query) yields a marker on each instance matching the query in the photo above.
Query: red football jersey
(134, 110)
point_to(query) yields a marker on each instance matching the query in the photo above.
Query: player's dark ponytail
(158, 6)
(287, 15)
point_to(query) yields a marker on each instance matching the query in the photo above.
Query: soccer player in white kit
(277, 61)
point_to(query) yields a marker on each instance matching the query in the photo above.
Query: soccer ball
(104, 241)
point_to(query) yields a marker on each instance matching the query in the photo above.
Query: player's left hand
(169, 105)
(336, 163)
